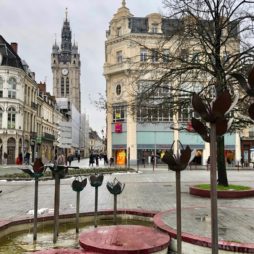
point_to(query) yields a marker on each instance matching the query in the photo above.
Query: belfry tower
(65, 65)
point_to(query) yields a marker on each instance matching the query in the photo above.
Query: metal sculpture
(178, 163)
(115, 188)
(36, 173)
(58, 172)
(96, 181)
(248, 88)
(78, 185)
(213, 113)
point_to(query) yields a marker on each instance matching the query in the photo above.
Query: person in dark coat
(70, 159)
(91, 160)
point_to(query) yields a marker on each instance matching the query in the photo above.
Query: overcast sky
(33, 25)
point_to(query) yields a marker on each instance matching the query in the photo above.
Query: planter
(222, 193)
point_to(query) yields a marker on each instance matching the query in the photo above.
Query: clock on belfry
(65, 71)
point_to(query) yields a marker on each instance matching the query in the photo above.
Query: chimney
(14, 46)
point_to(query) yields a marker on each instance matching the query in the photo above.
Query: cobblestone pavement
(147, 190)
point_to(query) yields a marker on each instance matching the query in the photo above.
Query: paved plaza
(147, 190)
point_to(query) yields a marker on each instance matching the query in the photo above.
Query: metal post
(56, 207)
(77, 211)
(96, 207)
(115, 208)
(178, 212)
(35, 208)
(213, 182)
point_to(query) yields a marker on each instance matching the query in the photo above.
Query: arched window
(1, 87)
(67, 86)
(62, 86)
(12, 88)
(11, 118)
(1, 118)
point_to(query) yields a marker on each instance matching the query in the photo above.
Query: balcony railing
(47, 136)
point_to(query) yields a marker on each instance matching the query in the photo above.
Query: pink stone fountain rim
(127, 239)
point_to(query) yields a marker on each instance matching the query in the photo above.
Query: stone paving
(147, 190)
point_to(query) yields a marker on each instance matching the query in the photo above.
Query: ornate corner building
(131, 137)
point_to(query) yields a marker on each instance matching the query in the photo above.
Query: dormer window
(154, 28)
(119, 56)
(118, 31)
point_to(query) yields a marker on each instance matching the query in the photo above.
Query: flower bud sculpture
(248, 88)
(213, 113)
(38, 168)
(115, 188)
(178, 163)
(96, 181)
(78, 185)
(58, 172)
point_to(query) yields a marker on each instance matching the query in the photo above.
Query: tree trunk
(221, 165)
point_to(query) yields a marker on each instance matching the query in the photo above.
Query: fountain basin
(17, 236)
(125, 239)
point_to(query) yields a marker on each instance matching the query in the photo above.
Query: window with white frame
(119, 113)
(154, 28)
(119, 56)
(12, 86)
(143, 55)
(185, 112)
(11, 118)
(1, 87)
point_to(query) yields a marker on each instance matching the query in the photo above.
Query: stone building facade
(126, 53)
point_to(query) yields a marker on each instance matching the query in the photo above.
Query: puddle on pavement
(22, 242)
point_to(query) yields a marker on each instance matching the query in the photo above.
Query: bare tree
(202, 47)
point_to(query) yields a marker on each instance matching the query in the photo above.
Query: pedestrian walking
(70, 159)
(91, 160)
(111, 161)
(97, 160)
(5, 158)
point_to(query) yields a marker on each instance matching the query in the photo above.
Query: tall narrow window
(154, 28)
(118, 31)
(67, 86)
(1, 118)
(143, 55)
(12, 84)
(11, 118)
(165, 55)
(195, 57)
(1, 87)
(119, 56)
(154, 56)
(62, 86)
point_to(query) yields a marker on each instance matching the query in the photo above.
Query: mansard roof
(171, 26)
(10, 57)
